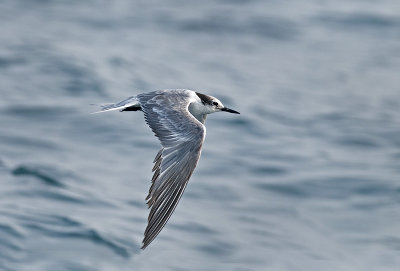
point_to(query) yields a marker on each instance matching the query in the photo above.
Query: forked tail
(129, 104)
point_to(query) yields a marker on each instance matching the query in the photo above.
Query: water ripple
(217, 249)
(7, 62)
(362, 23)
(38, 111)
(77, 77)
(359, 141)
(39, 173)
(360, 20)
(11, 245)
(64, 227)
(333, 187)
(86, 234)
(10, 231)
(268, 170)
(194, 228)
(277, 28)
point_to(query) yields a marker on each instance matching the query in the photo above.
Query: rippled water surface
(306, 178)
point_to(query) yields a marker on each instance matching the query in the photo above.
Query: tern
(177, 118)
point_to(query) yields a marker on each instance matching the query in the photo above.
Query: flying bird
(177, 118)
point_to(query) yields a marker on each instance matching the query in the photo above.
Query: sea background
(306, 178)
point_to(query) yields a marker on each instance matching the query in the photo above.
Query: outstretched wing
(181, 137)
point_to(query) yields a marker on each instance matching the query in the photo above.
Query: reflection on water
(306, 178)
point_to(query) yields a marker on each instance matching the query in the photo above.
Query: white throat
(200, 111)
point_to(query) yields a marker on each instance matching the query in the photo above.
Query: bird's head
(212, 104)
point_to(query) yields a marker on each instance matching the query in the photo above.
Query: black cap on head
(205, 99)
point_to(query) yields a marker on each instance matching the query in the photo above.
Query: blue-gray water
(306, 178)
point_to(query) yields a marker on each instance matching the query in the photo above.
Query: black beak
(226, 109)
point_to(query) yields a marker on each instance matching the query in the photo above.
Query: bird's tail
(129, 104)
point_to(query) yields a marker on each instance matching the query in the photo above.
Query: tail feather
(129, 104)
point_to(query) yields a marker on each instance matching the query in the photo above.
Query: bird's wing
(181, 137)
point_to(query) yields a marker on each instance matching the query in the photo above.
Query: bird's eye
(215, 103)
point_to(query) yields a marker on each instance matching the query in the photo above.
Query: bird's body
(177, 118)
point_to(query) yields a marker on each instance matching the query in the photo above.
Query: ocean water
(306, 178)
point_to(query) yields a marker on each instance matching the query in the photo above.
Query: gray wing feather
(181, 137)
